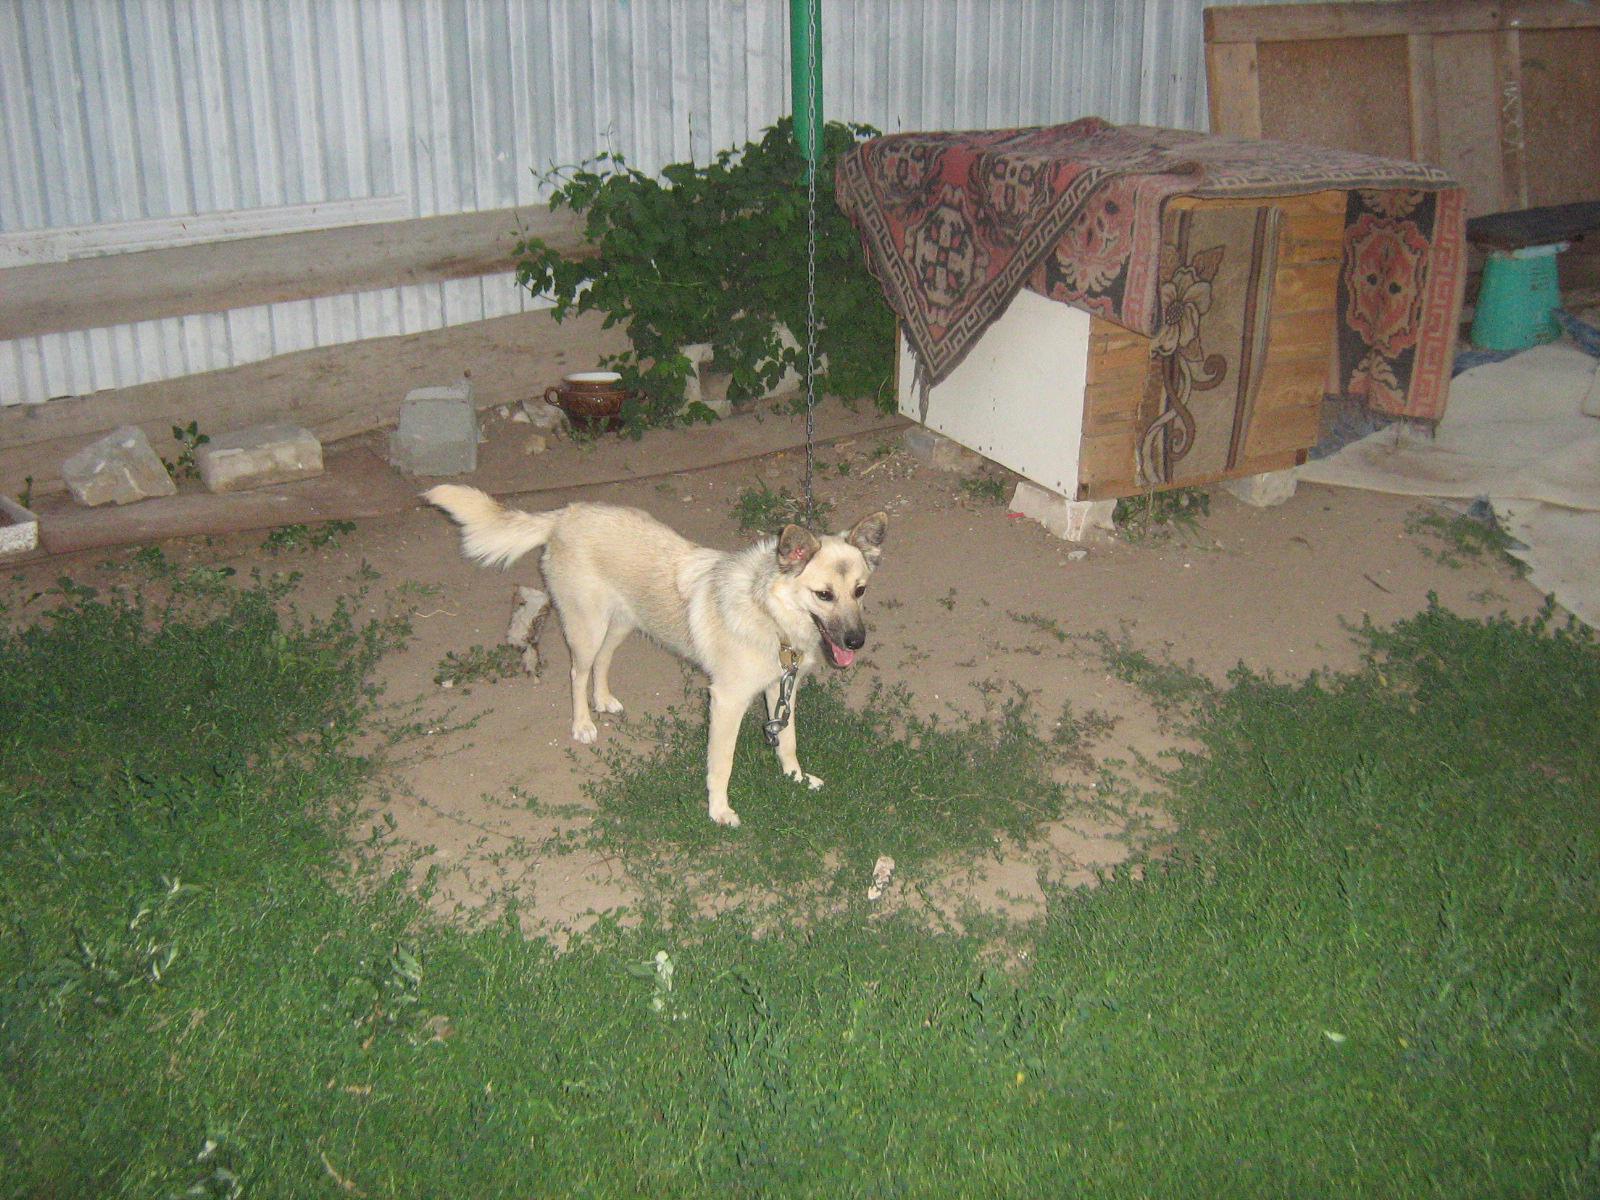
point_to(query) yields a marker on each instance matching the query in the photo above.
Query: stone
(1266, 490)
(19, 528)
(546, 418)
(537, 443)
(120, 468)
(938, 451)
(438, 432)
(259, 456)
(1069, 519)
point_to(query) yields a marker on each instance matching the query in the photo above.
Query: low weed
(1151, 516)
(480, 664)
(189, 439)
(762, 510)
(1460, 539)
(985, 489)
(1175, 690)
(299, 537)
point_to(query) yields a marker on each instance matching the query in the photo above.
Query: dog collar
(788, 656)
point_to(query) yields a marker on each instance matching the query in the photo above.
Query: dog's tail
(491, 533)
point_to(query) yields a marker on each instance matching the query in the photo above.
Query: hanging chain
(812, 84)
(789, 659)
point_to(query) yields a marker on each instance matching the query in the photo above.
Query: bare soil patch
(971, 606)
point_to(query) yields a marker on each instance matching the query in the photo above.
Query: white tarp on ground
(1515, 432)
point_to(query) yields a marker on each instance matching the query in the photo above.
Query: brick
(120, 468)
(1069, 519)
(938, 451)
(1267, 490)
(438, 432)
(258, 457)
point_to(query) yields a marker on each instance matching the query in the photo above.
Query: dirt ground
(970, 603)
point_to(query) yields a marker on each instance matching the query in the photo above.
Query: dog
(756, 621)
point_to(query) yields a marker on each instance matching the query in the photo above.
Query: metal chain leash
(811, 263)
(784, 708)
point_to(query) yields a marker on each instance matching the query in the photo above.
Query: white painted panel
(1017, 397)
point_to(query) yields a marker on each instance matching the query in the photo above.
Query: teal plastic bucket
(1516, 302)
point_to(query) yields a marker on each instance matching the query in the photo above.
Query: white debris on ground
(882, 870)
(528, 614)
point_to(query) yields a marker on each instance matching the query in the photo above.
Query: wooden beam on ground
(334, 391)
(121, 289)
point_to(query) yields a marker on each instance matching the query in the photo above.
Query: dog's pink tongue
(841, 656)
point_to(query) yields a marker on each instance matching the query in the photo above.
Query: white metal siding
(130, 124)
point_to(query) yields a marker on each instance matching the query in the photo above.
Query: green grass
(916, 790)
(1369, 970)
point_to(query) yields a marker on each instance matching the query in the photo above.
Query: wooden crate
(1504, 94)
(1053, 393)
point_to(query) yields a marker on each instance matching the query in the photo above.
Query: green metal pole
(805, 78)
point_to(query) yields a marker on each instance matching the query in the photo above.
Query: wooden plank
(1112, 487)
(1233, 89)
(121, 289)
(1513, 137)
(1469, 120)
(1305, 22)
(1560, 75)
(1282, 431)
(1422, 97)
(1306, 94)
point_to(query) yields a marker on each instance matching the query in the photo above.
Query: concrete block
(1266, 490)
(1069, 519)
(118, 469)
(438, 433)
(699, 388)
(461, 391)
(709, 387)
(938, 451)
(19, 528)
(258, 457)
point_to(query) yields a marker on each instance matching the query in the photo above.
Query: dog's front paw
(584, 731)
(608, 704)
(725, 816)
(799, 776)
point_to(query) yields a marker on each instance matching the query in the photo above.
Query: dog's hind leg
(603, 699)
(788, 757)
(585, 626)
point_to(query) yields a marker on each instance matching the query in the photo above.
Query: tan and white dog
(741, 618)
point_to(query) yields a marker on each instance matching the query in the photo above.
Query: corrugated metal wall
(129, 124)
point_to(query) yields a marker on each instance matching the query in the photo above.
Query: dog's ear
(868, 536)
(795, 547)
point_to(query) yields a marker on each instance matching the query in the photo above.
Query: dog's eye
(861, 590)
(825, 595)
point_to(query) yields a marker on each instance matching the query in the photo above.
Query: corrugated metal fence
(132, 124)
